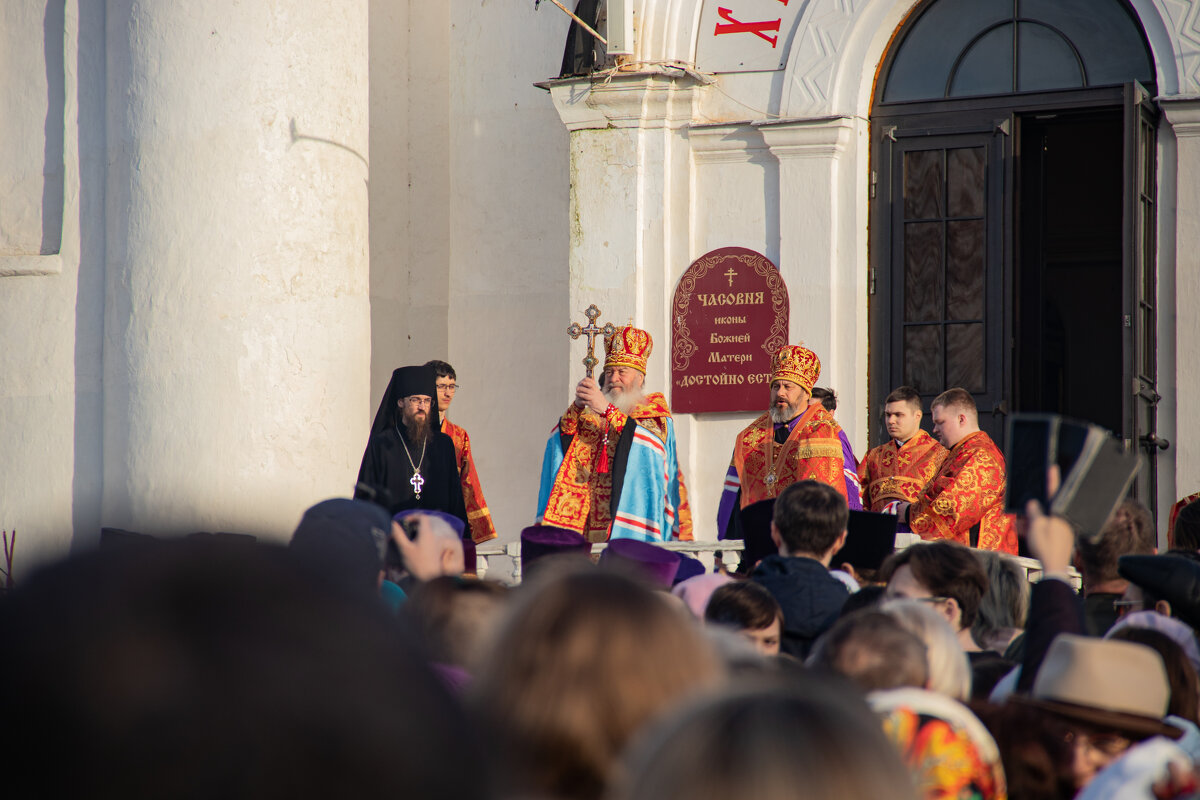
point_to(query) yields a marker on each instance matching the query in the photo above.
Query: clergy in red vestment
(964, 502)
(897, 470)
(793, 441)
(479, 519)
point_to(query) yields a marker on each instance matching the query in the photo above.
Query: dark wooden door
(938, 284)
(1141, 318)
(967, 255)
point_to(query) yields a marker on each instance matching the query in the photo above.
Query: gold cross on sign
(591, 331)
(731, 275)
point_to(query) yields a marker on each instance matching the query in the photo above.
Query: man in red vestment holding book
(965, 500)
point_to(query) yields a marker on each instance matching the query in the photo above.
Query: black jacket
(810, 597)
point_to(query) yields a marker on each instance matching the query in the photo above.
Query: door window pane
(1047, 60)
(923, 358)
(922, 271)
(964, 269)
(957, 48)
(987, 67)
(1105, 34)
(924, 60)
(965, 357)
(923, 184)
(965, 181)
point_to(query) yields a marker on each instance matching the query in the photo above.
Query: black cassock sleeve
(373, 470)
(453, 482)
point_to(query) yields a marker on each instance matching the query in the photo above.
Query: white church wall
(822, 212)
(411, 217)
(49, 378)
(236, 326)
(1169, 487)
(736, 204)
(1184, 118)
(806, 203)
(507, 247)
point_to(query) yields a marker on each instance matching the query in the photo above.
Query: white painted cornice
(624, 100)
(1183, 113)
(823, 137)
(714, 144)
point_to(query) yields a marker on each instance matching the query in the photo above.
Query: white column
(626, 212)
(1184, 117)
(822, 253)
(632, 231)
(237, 325)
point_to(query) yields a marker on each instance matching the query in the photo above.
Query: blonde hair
(949, 669)
(583, 660)
(957, 400)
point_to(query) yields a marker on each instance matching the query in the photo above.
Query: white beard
(624, 400)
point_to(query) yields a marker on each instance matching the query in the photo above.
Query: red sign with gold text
(729, 316)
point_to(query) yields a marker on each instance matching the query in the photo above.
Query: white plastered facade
(266, 208)
(680, 157)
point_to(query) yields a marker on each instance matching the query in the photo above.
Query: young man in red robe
(964, 502)
(478, 517)
(897, 470)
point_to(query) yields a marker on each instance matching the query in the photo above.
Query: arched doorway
(1012, 213)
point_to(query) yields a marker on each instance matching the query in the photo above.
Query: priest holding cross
(409, 463)
(610, 469)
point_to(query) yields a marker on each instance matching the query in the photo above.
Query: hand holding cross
(591, 331)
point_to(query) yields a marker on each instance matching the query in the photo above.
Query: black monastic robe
(386, 467)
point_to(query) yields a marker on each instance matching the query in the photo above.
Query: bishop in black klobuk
(409, 462)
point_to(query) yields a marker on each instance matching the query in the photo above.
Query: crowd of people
(366, 658)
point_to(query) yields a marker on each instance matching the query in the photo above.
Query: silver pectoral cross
(417, 482)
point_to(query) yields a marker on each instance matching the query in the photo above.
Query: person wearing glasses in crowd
(409, 463)
(479, 519)
(944, 574)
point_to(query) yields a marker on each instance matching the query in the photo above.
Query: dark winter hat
(1172, 578)
(540, 541)
(344, 540)
(688, 568)
(646, 560)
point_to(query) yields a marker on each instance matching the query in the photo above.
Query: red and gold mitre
(798, 364)
(628, 347)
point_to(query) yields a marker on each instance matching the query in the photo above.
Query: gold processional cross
(591, 331)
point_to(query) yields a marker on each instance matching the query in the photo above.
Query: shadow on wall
(88, 466)
(52, 168)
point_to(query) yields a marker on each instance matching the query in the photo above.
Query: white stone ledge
(17, 266)
(1183, 113)
(823, 137)
(623, 100)
(724, 143)
(1032, 567)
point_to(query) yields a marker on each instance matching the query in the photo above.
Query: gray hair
(949, 669)
(1005, 604)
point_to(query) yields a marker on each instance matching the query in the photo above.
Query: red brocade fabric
(480, 519)
(894, 472)
(813, 451)
(967, 490)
